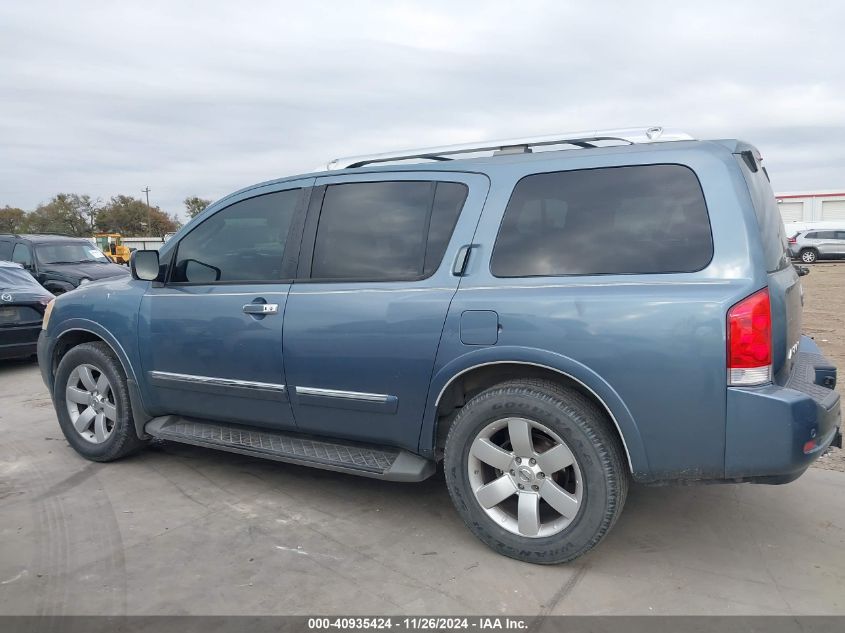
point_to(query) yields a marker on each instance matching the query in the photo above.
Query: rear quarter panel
(651, 346)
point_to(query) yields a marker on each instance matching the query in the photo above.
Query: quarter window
(380, 231)
(639, 219)
(243, 242)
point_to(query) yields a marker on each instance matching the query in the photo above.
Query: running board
(380, 462)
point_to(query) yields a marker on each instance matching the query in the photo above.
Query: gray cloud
(204, 98)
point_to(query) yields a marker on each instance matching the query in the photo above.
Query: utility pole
(146, 190)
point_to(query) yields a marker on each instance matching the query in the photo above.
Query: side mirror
(144, 265)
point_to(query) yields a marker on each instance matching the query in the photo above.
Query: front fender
(92, 327)
(54, 284)
(47, 348)
(563, 365)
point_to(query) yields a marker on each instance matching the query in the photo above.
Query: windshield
(70, 253)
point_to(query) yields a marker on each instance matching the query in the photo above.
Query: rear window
(769, 219)
(14, 277)
(615, 220)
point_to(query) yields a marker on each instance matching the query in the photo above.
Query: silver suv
(812, 245)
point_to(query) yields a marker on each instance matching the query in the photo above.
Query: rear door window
(385, 231)
(638, 219)
(22, 255)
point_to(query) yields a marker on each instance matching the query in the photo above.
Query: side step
(393, 464)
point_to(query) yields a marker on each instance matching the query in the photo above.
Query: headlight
(84, 281)
(47, 312)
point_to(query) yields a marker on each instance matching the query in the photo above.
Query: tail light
(792, 240)
(750, 341)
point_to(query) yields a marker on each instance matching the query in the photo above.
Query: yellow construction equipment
(112, 246)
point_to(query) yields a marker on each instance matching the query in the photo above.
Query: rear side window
(243, 242)
(639, 219)
(385, 231)
(5, 250)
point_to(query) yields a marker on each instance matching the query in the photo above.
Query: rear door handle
(459, 267)
(261, 308)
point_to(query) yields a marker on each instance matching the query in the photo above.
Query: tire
(597, 480)
(809, 256)
(110, 433)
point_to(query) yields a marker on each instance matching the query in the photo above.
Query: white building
(812, 206)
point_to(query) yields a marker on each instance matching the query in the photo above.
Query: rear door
(211, 336)
(365, 316)
(826, 243)
(840, 243)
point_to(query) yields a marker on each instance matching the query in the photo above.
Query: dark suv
(547, 325)
(59, 262)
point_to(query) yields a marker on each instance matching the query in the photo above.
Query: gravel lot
(182, 530)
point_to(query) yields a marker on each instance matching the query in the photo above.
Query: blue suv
(548, 318)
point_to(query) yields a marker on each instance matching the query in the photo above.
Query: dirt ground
(824, 320)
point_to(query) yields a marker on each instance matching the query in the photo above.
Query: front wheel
(535, 470)
(92, 403)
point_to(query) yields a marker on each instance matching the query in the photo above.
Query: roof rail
(632, 136)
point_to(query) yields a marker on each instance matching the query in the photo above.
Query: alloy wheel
(90, 403)
(525, 477)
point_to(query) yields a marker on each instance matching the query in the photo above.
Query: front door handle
(261, 309)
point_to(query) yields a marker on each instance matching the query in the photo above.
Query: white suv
(813, 245)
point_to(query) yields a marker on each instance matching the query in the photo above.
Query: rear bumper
(775, 432)
(18, 341)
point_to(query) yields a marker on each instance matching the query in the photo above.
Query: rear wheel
(809, 256)
(92, 403)
(535, 471)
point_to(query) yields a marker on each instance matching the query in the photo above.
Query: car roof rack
(587, 139)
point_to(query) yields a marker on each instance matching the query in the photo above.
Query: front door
(364, 317)
(211, 336)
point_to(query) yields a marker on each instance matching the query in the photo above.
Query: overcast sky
(202, 98)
